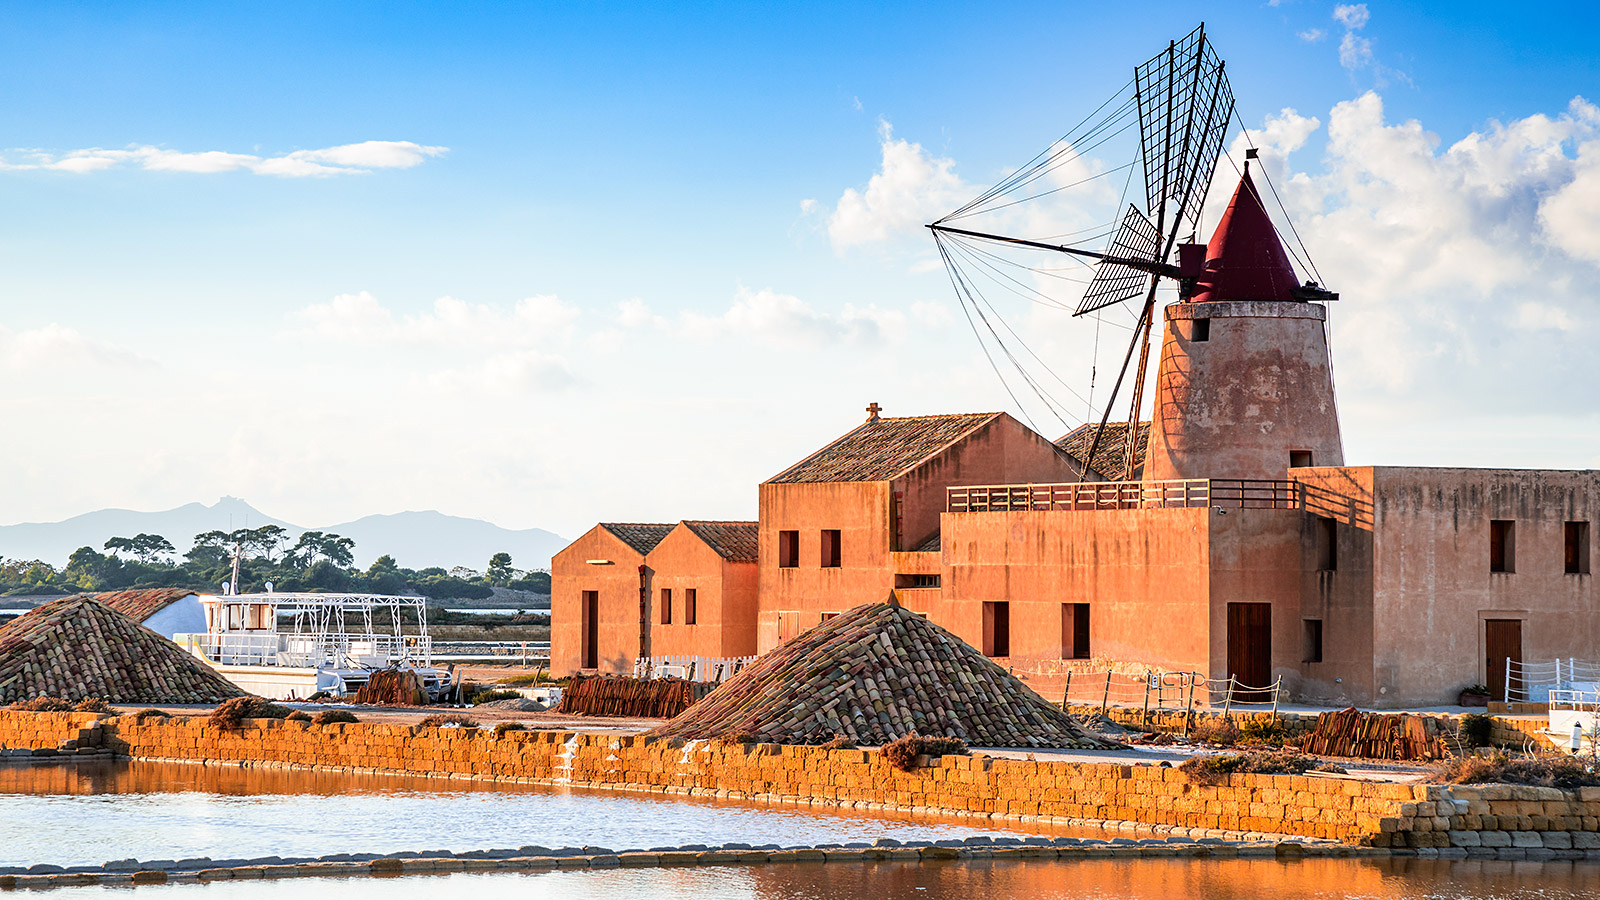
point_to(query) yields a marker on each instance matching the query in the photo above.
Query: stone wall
(47, 731)
(1482, 819)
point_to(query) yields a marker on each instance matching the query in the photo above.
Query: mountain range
(415, 539)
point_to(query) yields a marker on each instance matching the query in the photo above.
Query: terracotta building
(1241, 545)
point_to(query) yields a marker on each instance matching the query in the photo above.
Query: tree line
(316, 561)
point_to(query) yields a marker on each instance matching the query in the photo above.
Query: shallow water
(1139, 879)
(87, 813)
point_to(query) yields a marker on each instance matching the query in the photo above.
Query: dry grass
(93, 705)
(232, 713)
(442, 720)
(504, 727)
(42, 704)
(839, 742)
(741, 736)
(333, 717)
(143, 714)
(297, 716)
(1216, 769)
(1215, 731)
(903, 753)
(1541, 771)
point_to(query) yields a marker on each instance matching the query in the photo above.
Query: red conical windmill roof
(1245, 260)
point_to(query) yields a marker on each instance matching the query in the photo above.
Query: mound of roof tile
(78, 647)
(139, 605)
(875, 674)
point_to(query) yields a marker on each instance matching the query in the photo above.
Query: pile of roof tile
(1363, 735)
(620, 695)
(78, 647)
(875, 674)
(141, 604)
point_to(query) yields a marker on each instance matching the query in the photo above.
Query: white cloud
(55, 345)
(1353, 16)
(1355, 51)
(911, 188)
(359, 318)
(768, 318)
(342, 160)
(1312, 35)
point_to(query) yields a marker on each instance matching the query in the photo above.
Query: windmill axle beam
(1144, 265)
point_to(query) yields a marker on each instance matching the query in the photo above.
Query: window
(1502, 545)
(1199, 330)
(591, 630)
(788, 549)
(997, 628)
(827, 616)
(666, 606)
(690, 600)
(1075, 631)
(1576, 535)
(1313, 641)
(916, 581)
(830, 548)
(1300, 459)
(1327, 544)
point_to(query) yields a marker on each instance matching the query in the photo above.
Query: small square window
(1300, 459)
(1199, 330)
(1576, 538)
(1313, 641)
(666, 606)
(690, 601)
(1502, 545)
(788, 549)
(830, 548)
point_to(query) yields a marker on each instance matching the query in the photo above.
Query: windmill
(1182, 105)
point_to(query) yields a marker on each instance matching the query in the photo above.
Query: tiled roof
(1108, 457)
(77, 647)
(873, 674)
(883, 448)
(141, 605)
(735, 541)
(931, 545)
(641, 536)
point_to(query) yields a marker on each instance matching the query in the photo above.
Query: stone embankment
(1446, 820)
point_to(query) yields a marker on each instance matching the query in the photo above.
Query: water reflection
(87, 813)
(1151, 879)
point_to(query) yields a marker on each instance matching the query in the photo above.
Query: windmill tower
(1244, 387)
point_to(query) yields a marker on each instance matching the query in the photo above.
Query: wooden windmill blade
(1115, 279)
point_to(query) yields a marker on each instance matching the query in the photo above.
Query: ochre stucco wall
(618, 585)
(725, 599)
(860, 511)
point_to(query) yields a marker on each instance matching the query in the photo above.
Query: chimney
(872, 411)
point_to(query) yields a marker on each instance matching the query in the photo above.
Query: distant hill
(415, 539)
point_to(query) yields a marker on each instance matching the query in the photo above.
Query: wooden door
(591, 630)
(788, 626)
(1250, 648)
(997, 628)
(1502, 640)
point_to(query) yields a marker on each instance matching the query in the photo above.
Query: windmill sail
(1185, 104)
(1115, 281)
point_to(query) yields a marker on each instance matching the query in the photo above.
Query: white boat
(1574, 716)
(287, 646)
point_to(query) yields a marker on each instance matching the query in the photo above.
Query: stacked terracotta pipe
(1353, 733)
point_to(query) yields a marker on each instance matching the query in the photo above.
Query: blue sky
(228, 230)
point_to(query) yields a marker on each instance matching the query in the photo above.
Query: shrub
(903, 753)
(333, 717)
(1216, 769)
(529, 680)
(1330, 768)
(1500, 768)
(446, 720)
(232, 713)
(503, 727)
(740, 736)
(491, 696)
(298, 716)
(1475, 730)
(839, 742)
(42, 704)
(93, 705)
(1262, 731)
(1215, 731)
(143, 714)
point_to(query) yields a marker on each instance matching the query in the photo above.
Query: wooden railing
(1233, 493)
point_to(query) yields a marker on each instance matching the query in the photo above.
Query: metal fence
(1533, 682)
(714, 669)
(1150, 691)
(1232, 493)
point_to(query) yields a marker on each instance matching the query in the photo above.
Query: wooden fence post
(1105, 698)
(1066, 694)
(1188, 713)
(1227, 700)
(1277, 688)
(1144, 717)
